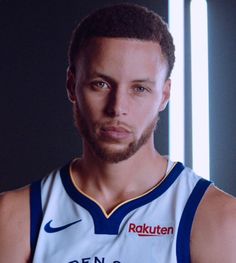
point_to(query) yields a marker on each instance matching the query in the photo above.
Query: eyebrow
(108, 78)
(144, 81)
(97, 74)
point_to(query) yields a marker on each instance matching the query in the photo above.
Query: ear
(70, 85)
(165, 94)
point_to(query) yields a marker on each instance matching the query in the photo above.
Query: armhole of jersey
(36, 214)
(185, 225)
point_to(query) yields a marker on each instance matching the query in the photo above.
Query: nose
(117, 104)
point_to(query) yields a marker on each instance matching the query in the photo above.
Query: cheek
(90, 106)
(148, 110)
(144, 119)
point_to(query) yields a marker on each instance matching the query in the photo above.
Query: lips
(115, 129)
(115, 132)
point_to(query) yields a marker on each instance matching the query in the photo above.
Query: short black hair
(123, 21)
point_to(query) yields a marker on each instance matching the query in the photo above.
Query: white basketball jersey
(67, 226)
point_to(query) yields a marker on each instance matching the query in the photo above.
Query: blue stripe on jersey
(185, 225)
(111, 225)
(36, 214)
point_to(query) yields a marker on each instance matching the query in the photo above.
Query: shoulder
(213, 235)
(15, 226)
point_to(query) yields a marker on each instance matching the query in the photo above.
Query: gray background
(37, 132)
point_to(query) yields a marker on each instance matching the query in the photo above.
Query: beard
(105, 154)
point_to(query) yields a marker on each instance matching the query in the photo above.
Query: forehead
(122, 55)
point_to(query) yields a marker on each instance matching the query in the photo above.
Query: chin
(114, 153)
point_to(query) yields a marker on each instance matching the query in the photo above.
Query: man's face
(118, 90)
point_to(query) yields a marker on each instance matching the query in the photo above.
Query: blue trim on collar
(36, 214)
(186, 221)
(111, 225)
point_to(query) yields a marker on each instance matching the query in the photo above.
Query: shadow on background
(37, 132)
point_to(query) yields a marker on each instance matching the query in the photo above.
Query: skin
(118, 84)
(117, 92)
(14, 226)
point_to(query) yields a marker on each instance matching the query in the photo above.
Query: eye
(100, 85)
(140, 89)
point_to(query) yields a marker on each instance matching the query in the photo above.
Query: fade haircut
(122, 21)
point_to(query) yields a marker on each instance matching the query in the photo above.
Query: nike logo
(49, 229)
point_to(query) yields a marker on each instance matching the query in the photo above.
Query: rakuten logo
(145, 230)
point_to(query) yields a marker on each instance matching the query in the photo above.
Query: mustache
(114, 124)
(105, 124)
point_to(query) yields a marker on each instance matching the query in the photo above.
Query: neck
(112, 183)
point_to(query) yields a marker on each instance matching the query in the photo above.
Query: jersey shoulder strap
(186, 221)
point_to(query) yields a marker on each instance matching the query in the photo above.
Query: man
(121, 201)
